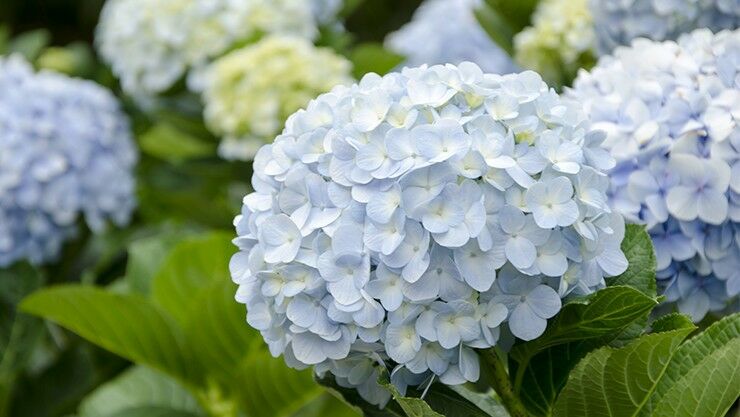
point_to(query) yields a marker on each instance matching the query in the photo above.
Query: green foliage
(640, 273)
(502, 19)
(413, 407)
(632, 371)
(671, 321)
(153, 412)
(19, 333)
(128, 325)
(167, 142)
(137, 388)
(63, 371)
(439, 400)
(187, 327)
(539, 368)
(30, 44)
(657, 375)
(704, 377)
(372, 57)
(204, 192)
(353, 399)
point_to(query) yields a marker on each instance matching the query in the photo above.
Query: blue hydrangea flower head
(446, 31)
(671, 110)
(618, 22)
(66, 152)
(402, 221)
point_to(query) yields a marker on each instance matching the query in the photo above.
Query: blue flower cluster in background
(446, 31)
(405, 219)
(65, 151)
(671, 113)
(618, 22)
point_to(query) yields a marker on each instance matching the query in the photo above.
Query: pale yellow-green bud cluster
(560, 41)
(250, 92)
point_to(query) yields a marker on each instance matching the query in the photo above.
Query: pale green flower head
(249, 92)
(560, 41)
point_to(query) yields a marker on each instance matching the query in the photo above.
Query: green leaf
(30, 44)
(194, 286)
(709, 389)
(4, 39)
(55, 386)
(136, 388)
(670, 322)
(190, 328)
(497, 27)
(439, 401)
(358, 404)
(217, 330)
(127, 325)
(270, 389)
(193, 265)
(517, 13)
(540, 367)
(413, 407)
(484, 401)
(619, 382)
(704, 377)
(448, 402)
(19, 333)
(204, 192)
(145, 258)
(372, 57)
(327, 405)
(640, 274)
(153, 412)
(169, 143)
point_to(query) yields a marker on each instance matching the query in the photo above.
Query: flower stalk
(499, 380)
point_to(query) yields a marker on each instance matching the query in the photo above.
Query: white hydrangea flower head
(66, 152)
(447, 31)
(402, 221)
(671, 113)
(152, 44)
(618, 22)
(250, 92)
(560, 41)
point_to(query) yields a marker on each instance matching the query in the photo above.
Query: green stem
(499, 379)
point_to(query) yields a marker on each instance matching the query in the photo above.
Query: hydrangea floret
(153, 44)
(560, 41)
(66, 152)
(250, 92)
(671, 111)
(618, 22)
(447, 31)
(403, 221)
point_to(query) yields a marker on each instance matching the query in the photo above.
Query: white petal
(520, 252)
(525, 324)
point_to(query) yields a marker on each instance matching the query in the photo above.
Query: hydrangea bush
(446, 31)
(618, 22)
(671, 114)
(249, 92)
(405, 220)
(560, 41)
(65, 151)
(152, 44)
